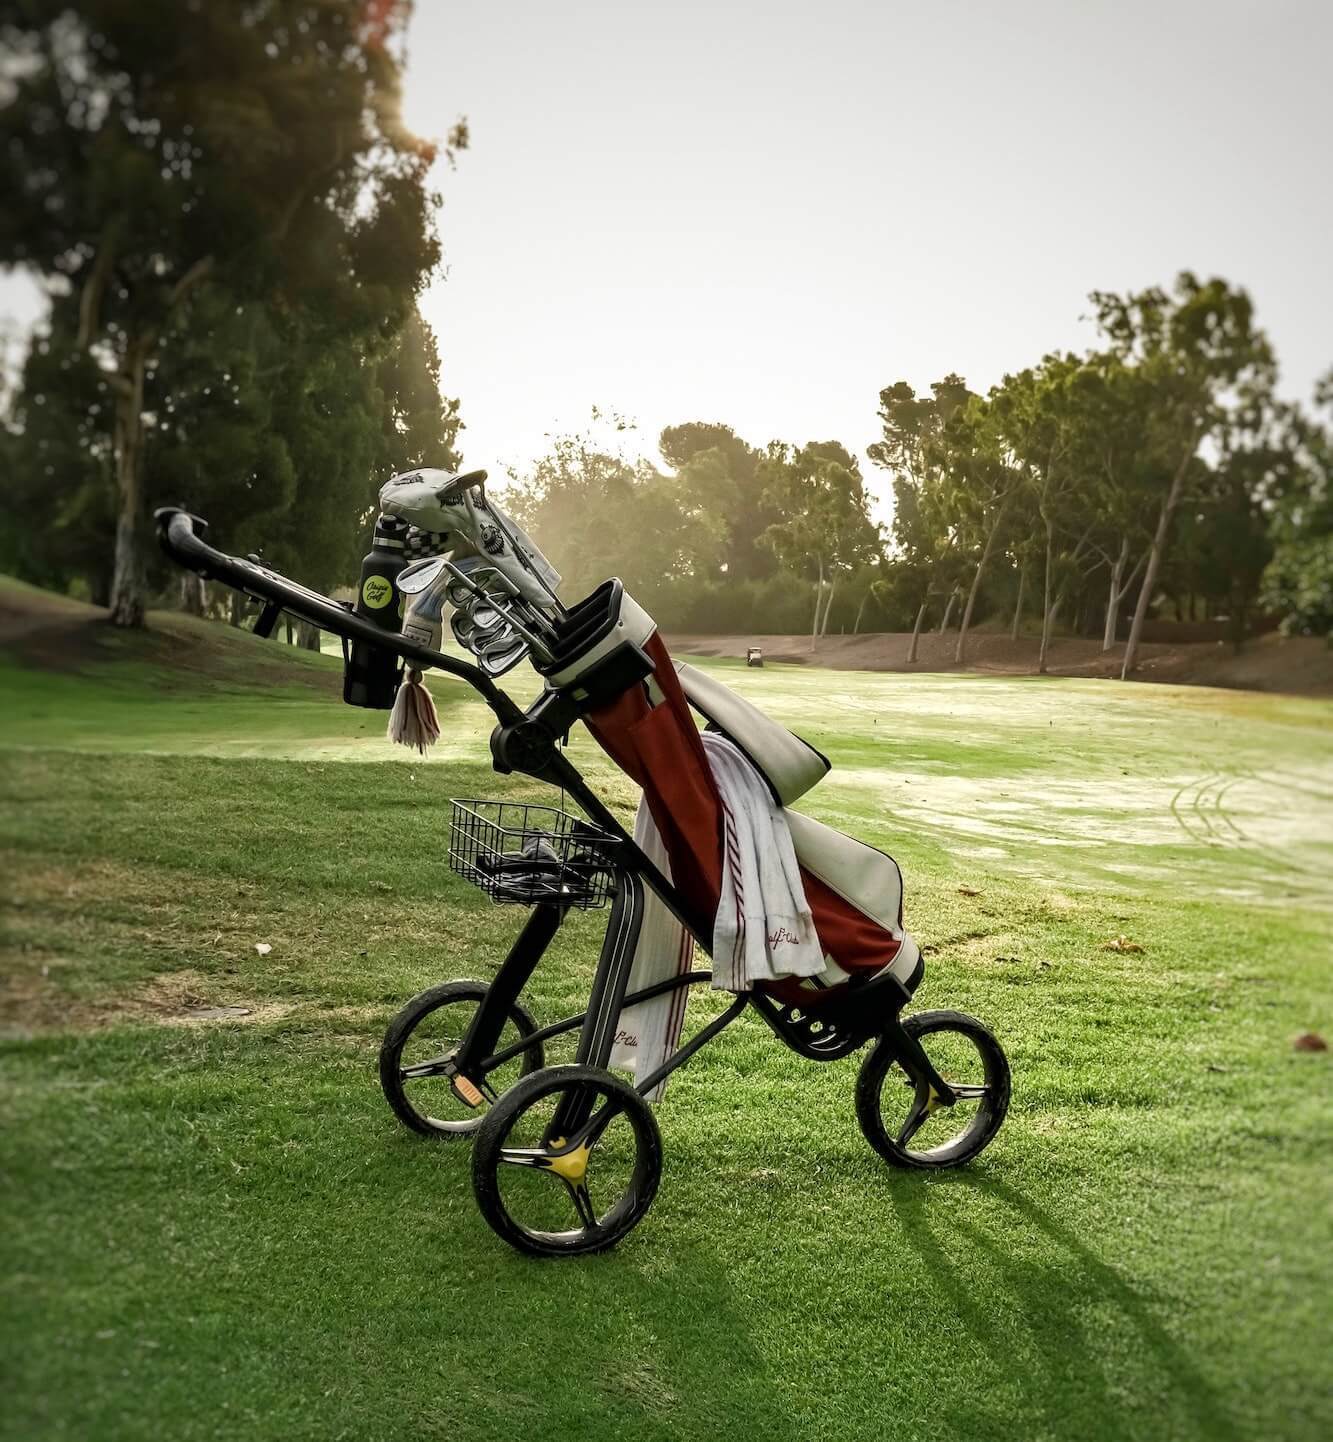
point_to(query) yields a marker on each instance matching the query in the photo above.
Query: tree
(598, 513)
(1112, 403)
(1297, 584)
(911, 451)
(719, 475)
(147, 158)
(1204, 359)
(825, 527)
(981, 481)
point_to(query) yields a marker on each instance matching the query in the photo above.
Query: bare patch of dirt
(32, 1000)
(1301, 665)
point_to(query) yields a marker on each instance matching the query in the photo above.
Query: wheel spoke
(578, 1194)
(915, 1120)
(526, 1157)
(968, 1093)
(433, 1066)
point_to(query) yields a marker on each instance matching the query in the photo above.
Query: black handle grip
(179, 535)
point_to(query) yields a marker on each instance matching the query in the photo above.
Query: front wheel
(567, 1162)
(906, 1123)
(418, 1049)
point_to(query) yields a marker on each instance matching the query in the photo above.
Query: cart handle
(179, 534)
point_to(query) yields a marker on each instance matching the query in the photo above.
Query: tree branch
(90, 299)
(200, 270)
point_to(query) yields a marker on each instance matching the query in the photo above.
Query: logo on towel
(377, 592)
(782, 937)
(492, 542)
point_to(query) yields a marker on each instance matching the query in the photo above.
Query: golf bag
(468, 557)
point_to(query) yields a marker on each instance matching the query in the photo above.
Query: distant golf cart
(754, 655)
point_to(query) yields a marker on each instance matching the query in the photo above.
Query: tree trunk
(192, 593)
(1155, 561)
(860, 612)
(916, 632)
(1047, 609)
(819, 596)
(236, 609)
(307, 636)
(948, 611)
(828, 604)
(1018, 604)
(127, 581)
(1113, 597)
(961, 648)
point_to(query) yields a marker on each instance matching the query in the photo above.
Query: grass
(215, 1229)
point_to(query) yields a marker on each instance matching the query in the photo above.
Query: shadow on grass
(1089, 1330)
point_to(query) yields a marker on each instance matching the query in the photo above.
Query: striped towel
(763, 929)
(649, 1033)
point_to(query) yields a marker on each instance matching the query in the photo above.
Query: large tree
(1297, 585)
(152, 153)
(825, 530)
(1039, 415)
(1208, 366)
(720, 479)
(982, 477)
(912, 450)
(597, 512)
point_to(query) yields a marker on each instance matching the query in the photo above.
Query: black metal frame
(527, 741)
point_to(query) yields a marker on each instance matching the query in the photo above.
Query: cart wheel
(549, 1198)
(896, 1115)
(420, 1041)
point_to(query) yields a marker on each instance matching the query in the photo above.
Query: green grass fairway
(215, 1228)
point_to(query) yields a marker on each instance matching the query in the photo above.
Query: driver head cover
(434, 500)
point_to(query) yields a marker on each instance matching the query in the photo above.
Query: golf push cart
(566, 1159)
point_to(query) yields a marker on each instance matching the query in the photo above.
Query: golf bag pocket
(866, 879)
(789, 765)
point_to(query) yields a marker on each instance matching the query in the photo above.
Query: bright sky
(763, 213)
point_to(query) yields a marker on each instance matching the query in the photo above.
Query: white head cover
(440, 501)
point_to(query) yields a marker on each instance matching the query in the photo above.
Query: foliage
(163, 163)
(596, 513)
(1298, 584)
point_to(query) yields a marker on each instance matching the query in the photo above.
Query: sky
(765, 213)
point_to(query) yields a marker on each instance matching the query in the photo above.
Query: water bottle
(370, 677)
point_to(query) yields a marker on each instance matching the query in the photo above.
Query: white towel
(648, 1033)
(763, 929)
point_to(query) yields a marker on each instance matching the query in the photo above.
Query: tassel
(413, 720)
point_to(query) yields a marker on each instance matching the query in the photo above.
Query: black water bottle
(371, 676)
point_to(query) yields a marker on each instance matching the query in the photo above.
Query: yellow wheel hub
(573, 1165)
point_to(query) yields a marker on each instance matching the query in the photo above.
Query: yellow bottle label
(377, 592)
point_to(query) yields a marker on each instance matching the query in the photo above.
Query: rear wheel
(419, 1046)
(905, 1123)
(567, 1163)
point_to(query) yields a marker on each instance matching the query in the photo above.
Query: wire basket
(525, 854)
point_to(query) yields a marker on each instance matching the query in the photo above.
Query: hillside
(50, 632)
(1300, 666)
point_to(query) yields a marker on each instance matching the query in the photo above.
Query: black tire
(414, 1101)
(966, 1128)
(520, 1123)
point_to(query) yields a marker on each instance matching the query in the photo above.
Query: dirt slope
(1302, 665)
